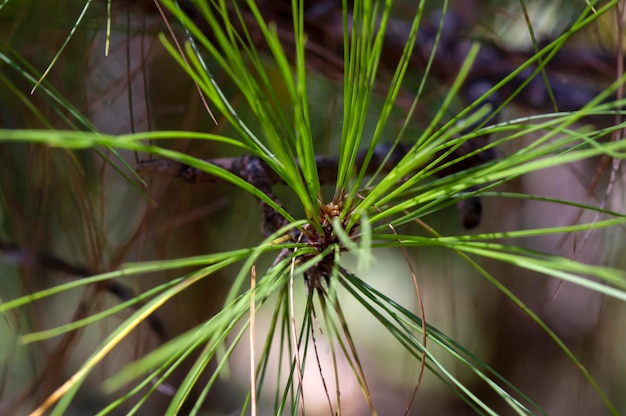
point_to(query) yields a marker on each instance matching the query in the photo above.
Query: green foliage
(371, 208)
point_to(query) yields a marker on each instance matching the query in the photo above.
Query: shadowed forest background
(67, 214)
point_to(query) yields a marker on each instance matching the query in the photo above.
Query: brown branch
(327, 166)
(256, 172)
(55, 264)
(569, 71)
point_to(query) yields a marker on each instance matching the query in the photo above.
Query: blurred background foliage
(76, 206)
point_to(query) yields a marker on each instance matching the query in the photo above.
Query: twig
(58, 265)
(256, 172)
(568, 72)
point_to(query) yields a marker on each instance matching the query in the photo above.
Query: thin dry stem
(253, 399)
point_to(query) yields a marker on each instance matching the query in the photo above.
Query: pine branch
(570, 71)
(54, 264)
(256, 172)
